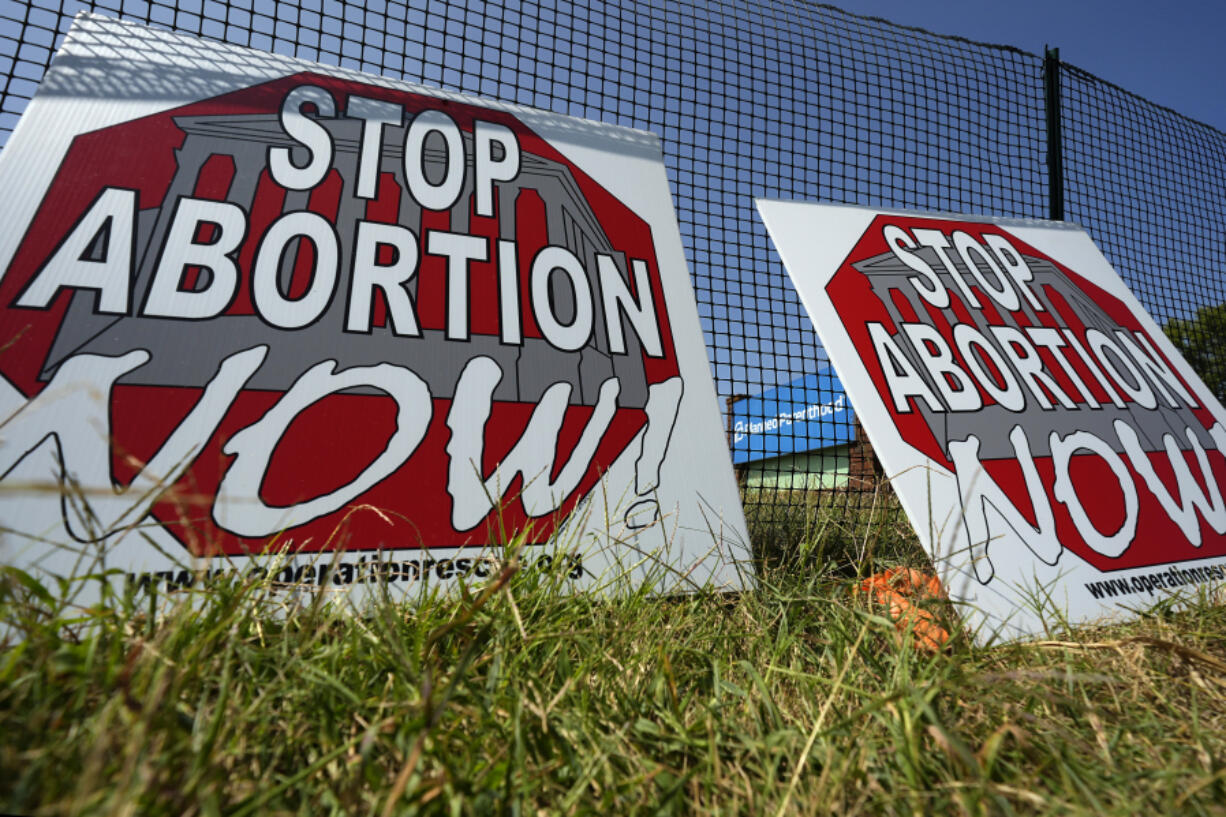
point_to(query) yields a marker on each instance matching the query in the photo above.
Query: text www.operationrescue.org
(1171, 578)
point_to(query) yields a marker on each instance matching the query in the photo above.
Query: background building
(802, 436)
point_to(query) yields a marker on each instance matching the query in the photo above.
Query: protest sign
(1054, 452)
(254, 304)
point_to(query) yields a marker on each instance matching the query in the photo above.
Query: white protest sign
(1054, 452)
(255, 304)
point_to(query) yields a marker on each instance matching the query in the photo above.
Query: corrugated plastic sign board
(1057, 456)
(262, 303)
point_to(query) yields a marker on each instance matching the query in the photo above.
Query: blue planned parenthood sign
(810, 413)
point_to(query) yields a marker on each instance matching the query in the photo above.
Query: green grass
(794, 698)
(852, 532)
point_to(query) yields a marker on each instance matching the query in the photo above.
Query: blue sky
(1170, 52)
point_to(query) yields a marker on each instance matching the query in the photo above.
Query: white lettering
(488, 169)
(307, 133)
(165, 297)
(1051, 340)
(980, 495)
(273, 306)
(938, 242)
(1001, 291)
(106, 228)
(375, 115)
(239, 508)
(617, 300)
(955, 386)
(443, 194)
(74, 411)
(1015, 266)
(1113, 544)
(971, 344)
(902, 378)
(510, 329)
(1191, 497)
(532, 457)
(928, 283)
(1133, 385)
(1152, 364)
(571, 336)
(392, 279)
(1092, 365)
(1029, 366)
(460, 250)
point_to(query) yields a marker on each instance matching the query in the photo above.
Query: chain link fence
(783, 100)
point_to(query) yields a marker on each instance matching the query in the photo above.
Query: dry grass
(791, 699)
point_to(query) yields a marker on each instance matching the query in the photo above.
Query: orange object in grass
(900, 590)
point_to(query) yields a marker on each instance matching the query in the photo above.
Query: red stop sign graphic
(514, 278)
(968, 333)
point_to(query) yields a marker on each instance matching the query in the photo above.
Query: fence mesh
(782, 100)
(1150, 186)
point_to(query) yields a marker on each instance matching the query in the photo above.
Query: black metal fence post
(1055, 150)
